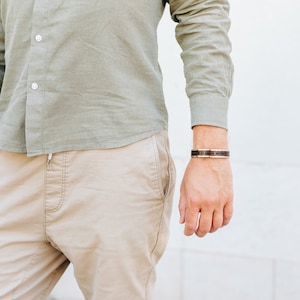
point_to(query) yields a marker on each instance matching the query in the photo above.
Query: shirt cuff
(209, 110)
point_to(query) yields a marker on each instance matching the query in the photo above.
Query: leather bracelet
(210, 153)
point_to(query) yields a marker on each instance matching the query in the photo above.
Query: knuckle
(217, 223)
(228, 197)
(226, 221)
(194, 201)
(189, 226)
(228, 215)
(181, 207)
(209, 203)
(227, 218)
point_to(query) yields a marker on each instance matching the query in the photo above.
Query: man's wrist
(209, 137)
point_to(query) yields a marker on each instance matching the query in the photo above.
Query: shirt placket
(36, 79)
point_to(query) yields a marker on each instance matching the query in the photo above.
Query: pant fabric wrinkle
(106, 211)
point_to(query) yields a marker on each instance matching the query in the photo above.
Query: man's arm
(206, 193)
(202, 32)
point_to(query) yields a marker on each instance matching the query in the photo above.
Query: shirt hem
(61, 146)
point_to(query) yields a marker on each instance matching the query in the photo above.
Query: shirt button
(38, 38)
(34, 86)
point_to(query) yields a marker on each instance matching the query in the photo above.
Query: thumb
(182, 210)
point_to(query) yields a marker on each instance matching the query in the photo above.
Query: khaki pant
(105, 211)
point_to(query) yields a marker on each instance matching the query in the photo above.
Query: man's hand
(206, 194)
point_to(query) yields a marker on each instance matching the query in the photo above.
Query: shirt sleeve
(2, 60)
(202, 33)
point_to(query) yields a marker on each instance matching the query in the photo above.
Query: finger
(217, 221)
(181, 208)
(227, 214)
(205, 223)
(191, 221)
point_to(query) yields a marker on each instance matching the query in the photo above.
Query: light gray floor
(257, 257)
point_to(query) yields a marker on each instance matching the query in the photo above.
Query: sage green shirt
(83, 75)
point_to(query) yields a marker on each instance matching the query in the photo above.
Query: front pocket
(165, 167)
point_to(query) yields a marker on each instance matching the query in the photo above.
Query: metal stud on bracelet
(210, 153)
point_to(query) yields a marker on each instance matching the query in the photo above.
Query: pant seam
(63, 184)
(157, 168)
(163, 196)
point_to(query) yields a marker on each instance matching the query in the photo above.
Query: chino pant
(105, 211)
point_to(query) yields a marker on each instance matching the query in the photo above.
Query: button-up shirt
(80, 75)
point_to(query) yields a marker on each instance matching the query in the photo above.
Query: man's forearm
(209, 137)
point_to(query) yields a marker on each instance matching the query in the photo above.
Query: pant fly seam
(62, 184)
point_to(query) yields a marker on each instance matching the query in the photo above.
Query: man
(86, 175)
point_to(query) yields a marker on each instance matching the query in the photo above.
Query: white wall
(258, 255)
